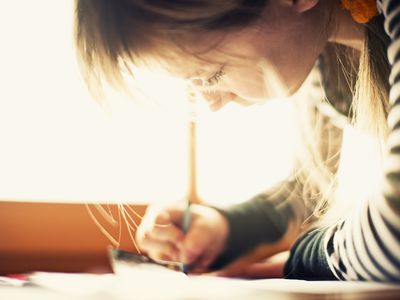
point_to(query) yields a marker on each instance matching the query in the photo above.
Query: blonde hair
(365, 80)
(371, 97)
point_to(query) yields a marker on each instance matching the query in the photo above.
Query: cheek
(247, 85)
(291, 73)
(289, 69)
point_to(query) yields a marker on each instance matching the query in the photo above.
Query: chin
(247, 101)
(283, 90)
(293, 90)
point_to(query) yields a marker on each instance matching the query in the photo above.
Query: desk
(59, 286)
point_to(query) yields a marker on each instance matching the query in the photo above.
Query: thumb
(175, 214)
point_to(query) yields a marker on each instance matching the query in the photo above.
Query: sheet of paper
(74, 284)
(144, 283)
(320, 287)
(137, 278)
(147, 282)
(135, 267)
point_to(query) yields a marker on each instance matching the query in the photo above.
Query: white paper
(152, 282)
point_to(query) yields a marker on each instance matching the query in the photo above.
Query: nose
(197, 82)
(218, 100)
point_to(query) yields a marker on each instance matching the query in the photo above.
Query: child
(248, 51)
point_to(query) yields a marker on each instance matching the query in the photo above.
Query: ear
(304, 5)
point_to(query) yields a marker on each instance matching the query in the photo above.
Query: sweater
(363, 246)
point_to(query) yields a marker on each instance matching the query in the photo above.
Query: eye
(216, 78)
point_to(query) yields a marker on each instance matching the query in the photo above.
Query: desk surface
(42, 294)
(59, 286)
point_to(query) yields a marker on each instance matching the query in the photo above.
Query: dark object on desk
(118, 256)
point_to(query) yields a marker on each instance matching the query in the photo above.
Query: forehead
(187, 69)
(209, 55)
(192, 55)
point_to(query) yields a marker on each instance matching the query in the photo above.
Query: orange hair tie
(361, 10)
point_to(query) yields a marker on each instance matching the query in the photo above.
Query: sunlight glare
(58, 144)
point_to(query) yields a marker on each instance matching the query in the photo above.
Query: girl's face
(268, 59)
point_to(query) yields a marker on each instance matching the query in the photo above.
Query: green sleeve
(250, 224)
(262, 219)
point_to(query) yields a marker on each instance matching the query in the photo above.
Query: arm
(270, 222)
(365, 246)
(263, 220)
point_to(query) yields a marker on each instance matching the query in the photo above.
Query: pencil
(185, 227)
(192, 196)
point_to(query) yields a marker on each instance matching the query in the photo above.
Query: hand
(268, 268)
(160, 235)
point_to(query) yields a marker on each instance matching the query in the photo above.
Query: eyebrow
(204, 72)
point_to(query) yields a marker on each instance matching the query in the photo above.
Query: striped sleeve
(367, 245)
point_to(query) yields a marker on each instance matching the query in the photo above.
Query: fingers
(202, 265)
(165, 230)
(192, 247)
(169, 233)
(206, 238)
(159, 237)
(166, 216)
(195, 244)
(160, 250)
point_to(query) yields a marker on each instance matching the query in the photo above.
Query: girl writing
(248, 51)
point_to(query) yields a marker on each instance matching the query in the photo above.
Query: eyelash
(216, 78)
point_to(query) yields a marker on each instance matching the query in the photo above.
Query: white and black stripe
(367, 245)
